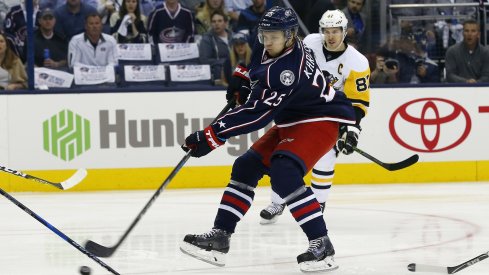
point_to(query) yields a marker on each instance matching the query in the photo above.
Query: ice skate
(210, 247)
(270, 214)
(318, 257)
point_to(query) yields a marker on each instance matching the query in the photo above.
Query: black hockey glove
(202, 142)
(348, 138)
(239, 85)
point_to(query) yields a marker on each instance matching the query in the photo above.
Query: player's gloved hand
(348, 138)
(239, 86)
(202, 142)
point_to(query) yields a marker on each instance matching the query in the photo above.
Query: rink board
(132, 140)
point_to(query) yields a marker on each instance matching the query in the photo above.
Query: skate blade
(326, 265)
(271, 221)
(211, 257)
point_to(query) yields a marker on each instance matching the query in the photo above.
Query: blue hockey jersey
(289, 89)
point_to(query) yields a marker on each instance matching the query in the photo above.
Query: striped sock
(306, 211)
(235, 203)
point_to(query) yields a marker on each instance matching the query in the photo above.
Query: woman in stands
(240, 53)
(204, 12)
(129, 25)
(12, 72)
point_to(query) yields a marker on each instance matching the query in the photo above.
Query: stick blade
(403, 164)
(99, 250)
(79, 175)
(427, 268)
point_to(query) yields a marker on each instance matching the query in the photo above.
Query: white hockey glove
(348, 138)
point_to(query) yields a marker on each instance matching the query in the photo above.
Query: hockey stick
(449, 269)
(390, 166)
(79, 175)
(56, 231)
(103, 251)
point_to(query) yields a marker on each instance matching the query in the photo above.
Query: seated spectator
(204, 12)
(92, 47)
(383, 74)
(12, 72)
(171, 23)
(240, 53)
(129, 25)
(356, 22)
(214, 47)
(50, 49)
(15, 26)
(468, 61)
(70, 17)
(412, 61)
(248, 19)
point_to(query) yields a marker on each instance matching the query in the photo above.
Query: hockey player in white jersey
(349, 72)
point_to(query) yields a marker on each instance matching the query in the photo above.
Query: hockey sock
(235, 202)
(321, 184)
(306, 211)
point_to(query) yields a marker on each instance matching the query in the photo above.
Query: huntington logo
(66, 135)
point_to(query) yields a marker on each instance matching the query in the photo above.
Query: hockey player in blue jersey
(350, 73)
(288, 87)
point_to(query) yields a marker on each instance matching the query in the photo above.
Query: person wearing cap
(50, 48)
(240, 53)
(214, 46)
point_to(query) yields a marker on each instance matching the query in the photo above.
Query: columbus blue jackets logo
(287, 77)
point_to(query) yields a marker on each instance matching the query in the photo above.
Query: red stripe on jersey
(304, 210)
(243, 206)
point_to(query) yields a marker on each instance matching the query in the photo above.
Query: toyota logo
(423, 125)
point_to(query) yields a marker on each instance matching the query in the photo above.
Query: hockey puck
(85, 270)
(411, 267)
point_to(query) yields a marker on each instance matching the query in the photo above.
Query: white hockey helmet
(333, 19)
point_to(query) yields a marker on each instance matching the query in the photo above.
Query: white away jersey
(350, 70)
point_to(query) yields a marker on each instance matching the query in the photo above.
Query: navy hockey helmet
(278, 19)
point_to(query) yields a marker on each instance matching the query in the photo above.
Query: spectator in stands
(12, 72)
(356, 22)
(106, 8)
(15, 26)
(468, 61)
(129, 25)
(92, 47)
(214, 47)
(411, 60)
(171, 23)
(70, 17)
(248, 19)
(240, 53)
(50, 49)
(383, 74)
(204, 13)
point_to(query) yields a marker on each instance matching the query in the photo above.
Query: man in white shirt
(92, 47)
